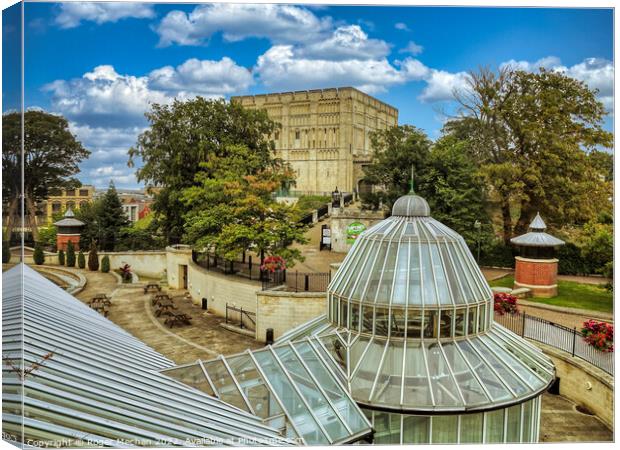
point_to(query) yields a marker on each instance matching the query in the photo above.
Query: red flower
(505, 303)
(599, 335)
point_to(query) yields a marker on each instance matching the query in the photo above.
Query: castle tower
(536, 267)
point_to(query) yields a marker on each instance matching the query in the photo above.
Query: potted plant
(505, 303)
(599, 335)
(126, 275)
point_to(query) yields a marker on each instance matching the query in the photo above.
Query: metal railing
(246, 319)
(246, 267)
(555, 335)
(297, 281)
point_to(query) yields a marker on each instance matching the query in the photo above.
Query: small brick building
(68, 230)
(536, 267)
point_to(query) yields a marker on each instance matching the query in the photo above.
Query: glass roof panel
(191, 375)
(225, 384)
(445, 391)
(322, 408)
(297, 411)
(389, 381)
(417, 389)
(470, 387)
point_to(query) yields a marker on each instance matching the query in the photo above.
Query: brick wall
(538, 274)
(62, 240)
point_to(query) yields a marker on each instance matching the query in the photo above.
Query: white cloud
(547, 62)
(106, 143)
(278, 23)
(401, 26)
(281, 68)
(209, 78)
(441, 85)
(72, 14)
(346, 42)
(412, 48)
(100, 176)
(105, 98)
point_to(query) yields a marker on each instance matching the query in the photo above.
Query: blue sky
(102, 64)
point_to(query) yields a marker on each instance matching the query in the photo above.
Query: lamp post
(478, 226)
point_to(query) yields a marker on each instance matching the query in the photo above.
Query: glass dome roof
(409, 323)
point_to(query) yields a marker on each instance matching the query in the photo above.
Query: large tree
(51, 158)
(184, 135)
(531, 133)
(444, 173)
(232, 210)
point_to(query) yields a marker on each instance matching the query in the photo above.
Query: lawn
(571, 295)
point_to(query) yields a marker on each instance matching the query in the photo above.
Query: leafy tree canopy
(51, 158)
(183, 138)
(110, 220)
(530, 133)
(231, 209)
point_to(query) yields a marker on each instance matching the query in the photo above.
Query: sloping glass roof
(92, 383)
(290, 386)
(473, 373)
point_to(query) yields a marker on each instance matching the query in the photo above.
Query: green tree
(395, 151)
(70, 254)
(597, 246)
(51, 158)
(530, 133)
(61, 257)
(137, 238)
(105, 264)
(232, 209)
(93, 258)
(81, 260)
(6, 252)
(110, 220)
(47, 236)
(90, 214)
(603, 163)
(184, 135)
(38, 256)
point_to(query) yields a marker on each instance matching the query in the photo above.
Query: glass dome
(409, 329)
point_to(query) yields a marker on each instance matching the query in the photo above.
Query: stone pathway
(561, 422)
(131, 309)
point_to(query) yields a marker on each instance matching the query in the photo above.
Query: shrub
(497, 255)
(105, 264)
(81, 260)
(61, 257)
(38, 256)
(93, 258)
(70, 254)
(273, 263)
(572, 262)
(6, 252)
(505, 303)
(599, 335)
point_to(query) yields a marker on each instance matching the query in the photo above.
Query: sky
(102, 64)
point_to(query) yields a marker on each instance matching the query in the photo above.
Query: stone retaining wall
(583, 383)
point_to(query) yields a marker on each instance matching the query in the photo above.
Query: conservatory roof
(90, 382)
(290, 386)
(410, 261)
(478, 372)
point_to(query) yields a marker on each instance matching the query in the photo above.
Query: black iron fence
(297, 281)
(248, 266)
(555, 335)
(240, 317)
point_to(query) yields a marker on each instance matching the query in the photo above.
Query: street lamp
(478, 226)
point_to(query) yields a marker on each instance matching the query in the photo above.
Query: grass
(571, 295)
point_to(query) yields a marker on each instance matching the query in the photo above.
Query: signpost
(326, 237)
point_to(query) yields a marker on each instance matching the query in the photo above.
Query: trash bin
(269, 336)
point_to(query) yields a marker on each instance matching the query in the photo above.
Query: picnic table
(100, 306)
(152, 287)
(158, 298)
(101, 298)
(179, 319)
(165, 306)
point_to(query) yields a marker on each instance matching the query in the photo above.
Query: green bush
(47, 236)
(497, 255)
(105, 264)
(6, 252)
(61, 257)
(81, 260)
(38, 256)
(572, 262)
(70, 254)
(93, 258)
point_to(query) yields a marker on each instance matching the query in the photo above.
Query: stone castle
(325, 134)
